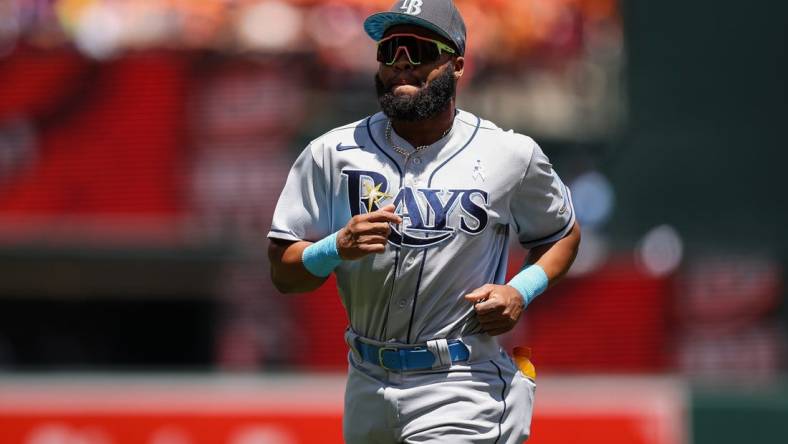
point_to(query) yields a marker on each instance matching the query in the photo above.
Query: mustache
(431, 98)
(389, 87)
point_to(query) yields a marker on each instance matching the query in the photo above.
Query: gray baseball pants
(486, 400)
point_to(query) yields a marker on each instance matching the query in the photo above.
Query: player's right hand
(366, 233)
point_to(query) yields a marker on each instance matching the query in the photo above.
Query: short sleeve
(302, 212)
(542, 204)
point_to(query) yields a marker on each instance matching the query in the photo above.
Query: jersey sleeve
(302, 212)
(542, 205)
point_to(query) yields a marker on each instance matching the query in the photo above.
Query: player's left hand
(498, 307)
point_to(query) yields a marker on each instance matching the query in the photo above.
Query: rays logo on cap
(412, 7)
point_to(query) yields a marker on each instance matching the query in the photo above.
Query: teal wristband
(322, 257)
(530, 282)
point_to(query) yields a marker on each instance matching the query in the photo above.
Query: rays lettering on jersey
(426, 212)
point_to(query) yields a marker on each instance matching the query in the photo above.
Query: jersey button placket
(402, 300)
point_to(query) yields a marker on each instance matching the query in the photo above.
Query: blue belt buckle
(382, 350)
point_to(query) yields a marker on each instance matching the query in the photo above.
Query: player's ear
(459, 67)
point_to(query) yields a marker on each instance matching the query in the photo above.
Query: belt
(408, 358)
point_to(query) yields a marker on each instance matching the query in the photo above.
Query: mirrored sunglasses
(418, 49)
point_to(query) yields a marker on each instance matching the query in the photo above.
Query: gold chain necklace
(401, 150)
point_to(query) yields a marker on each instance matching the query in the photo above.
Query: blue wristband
(322, 257)
(530, 282)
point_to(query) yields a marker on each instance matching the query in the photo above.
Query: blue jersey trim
(542, 239)
(503, 398)
(399, 170)
(376, 121)
(391, 293)
(416, 295)
(290, 233)
(503, 260)
(424, 256)
(492, 128)
(566, 225)
(516, 225)
(330, 202)
(275, 230)
(396, 257)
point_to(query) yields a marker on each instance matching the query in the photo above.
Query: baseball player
(412, 210)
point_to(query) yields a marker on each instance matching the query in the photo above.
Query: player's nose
(402, 60)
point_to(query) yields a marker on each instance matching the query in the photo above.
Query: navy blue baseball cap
(439, 16)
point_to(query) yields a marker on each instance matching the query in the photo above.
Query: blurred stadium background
(143, 144)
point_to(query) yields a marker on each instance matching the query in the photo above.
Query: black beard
(430, 101)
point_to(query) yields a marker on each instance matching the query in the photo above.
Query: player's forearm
(556, 258)
(287, 268)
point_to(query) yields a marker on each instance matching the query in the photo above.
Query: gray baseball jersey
(459, 200)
